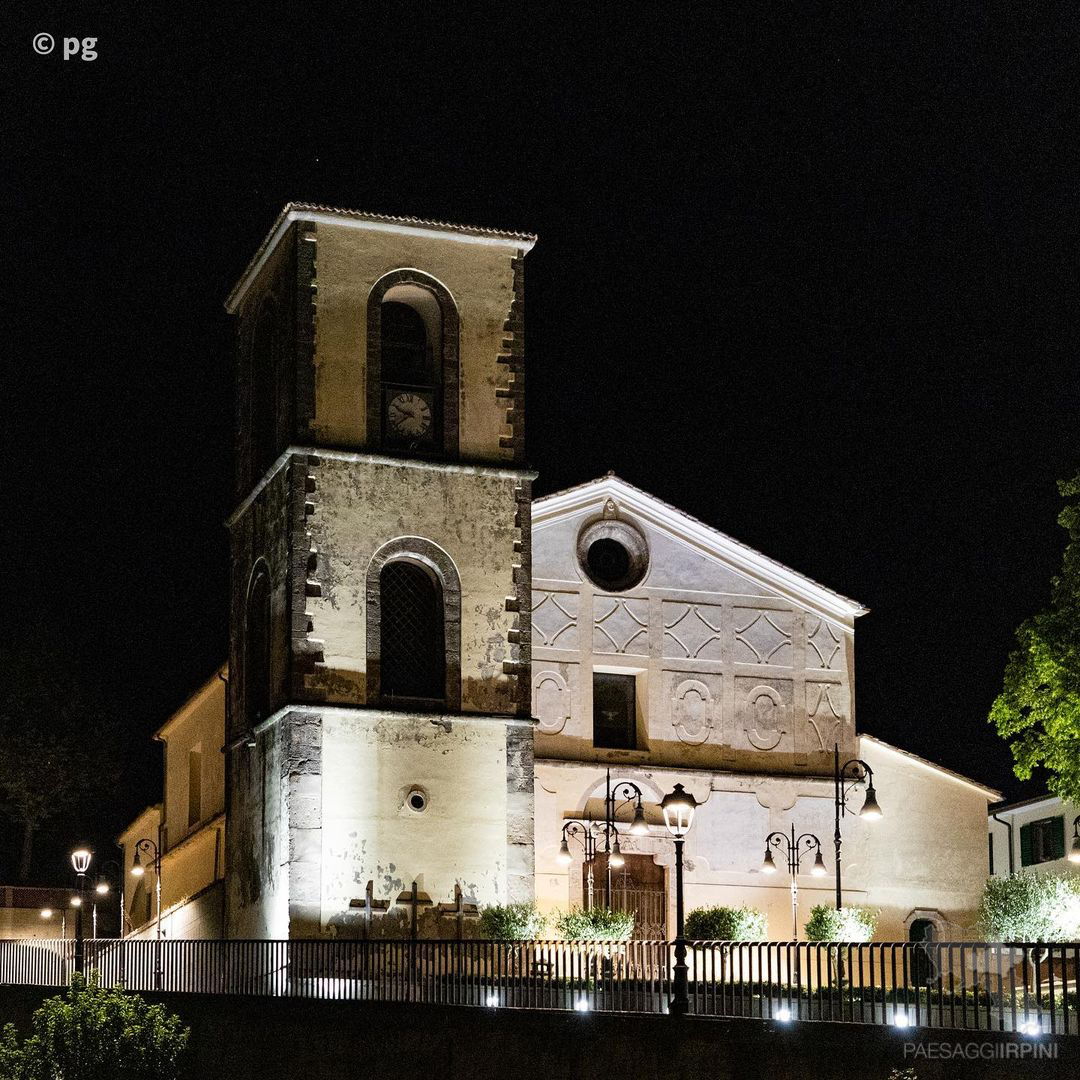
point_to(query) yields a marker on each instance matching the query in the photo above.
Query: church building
(432, 678)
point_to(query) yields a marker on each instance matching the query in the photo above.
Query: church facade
(432, 677)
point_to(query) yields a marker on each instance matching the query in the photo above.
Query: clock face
(409, 415)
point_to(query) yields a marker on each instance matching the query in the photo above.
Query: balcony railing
(1025, 988)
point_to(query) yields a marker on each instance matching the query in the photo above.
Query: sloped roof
(740, 557)
(293, 211)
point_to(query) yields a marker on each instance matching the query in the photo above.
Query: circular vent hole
(416, 801)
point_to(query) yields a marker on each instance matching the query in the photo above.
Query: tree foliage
(595, 924)
(91, 1033)
(512, 922)
(1031, 907)
(840, 924)
(58, 741)
(1038, 709)
(727, 924)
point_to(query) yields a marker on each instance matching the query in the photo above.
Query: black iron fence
(1017, 987)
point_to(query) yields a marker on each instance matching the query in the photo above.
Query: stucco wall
(479, 277)
(731, 675)
(468, 513)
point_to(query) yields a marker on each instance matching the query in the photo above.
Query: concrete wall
(273, 1039)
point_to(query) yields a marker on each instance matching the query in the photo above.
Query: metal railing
(1016, 987)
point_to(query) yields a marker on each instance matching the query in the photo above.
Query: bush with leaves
(1031, 907)
(90, 1032)
(512, 922)
(726, 924)
(840, 924)
(595, 924)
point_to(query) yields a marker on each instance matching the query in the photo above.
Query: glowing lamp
(46, 913)
(639, 826)
(818, 869)
(76, 901)
(101, 888)
(767, 864)
(80, 860)
(678, 809)
(1074, 851)
(870, 809)
(137, 868)
(616, 858)
(563, 858)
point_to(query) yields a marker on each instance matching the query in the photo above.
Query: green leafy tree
(726, 924)
(58, 742)
(91, 1033)
(512, 922)
(595, 924)
(1031, 907)
(840, 924)
(1038, 710)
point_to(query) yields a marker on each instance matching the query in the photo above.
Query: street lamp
(587, 835)
(1074, 851)
(137, 870)
(796, 851)
(80, 863)
(845, 777)
(626, 791)
(678, 809)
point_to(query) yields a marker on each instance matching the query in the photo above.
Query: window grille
(413, 656)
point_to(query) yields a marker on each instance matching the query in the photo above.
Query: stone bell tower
(379, 715)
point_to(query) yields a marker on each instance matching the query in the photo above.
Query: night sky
(807, 272)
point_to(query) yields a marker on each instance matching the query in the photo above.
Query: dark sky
(806, 271)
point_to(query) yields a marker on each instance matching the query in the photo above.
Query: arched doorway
(638, 886)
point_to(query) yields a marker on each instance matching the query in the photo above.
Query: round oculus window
(613, 554)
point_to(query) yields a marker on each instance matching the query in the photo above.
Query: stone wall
(273, 1039)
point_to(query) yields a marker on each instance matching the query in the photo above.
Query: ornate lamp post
(845, 777)
(626, 791)
(80, 863)
(1074, 851)
(587, 836)
(796, 850)
(678, 808)
(137, 869)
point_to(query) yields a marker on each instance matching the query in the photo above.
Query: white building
(1040, 834)
(668, 652)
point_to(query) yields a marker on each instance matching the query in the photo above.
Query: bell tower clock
(379, 715)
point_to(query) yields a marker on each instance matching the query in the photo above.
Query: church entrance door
(639, 887)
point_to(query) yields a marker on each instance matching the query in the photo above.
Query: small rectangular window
(614, 711)
(1042, 841)
(194, 813)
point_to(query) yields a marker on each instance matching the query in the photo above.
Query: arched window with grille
(257, 684)
(413, 627)
(411, 616)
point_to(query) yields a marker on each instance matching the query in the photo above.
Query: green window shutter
(1057, 838)
(1027, 856)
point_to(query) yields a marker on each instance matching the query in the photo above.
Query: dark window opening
(407, 358)
(609, 561)
(413, 664)
(257, 653)
(1042, 841)
(264, 378)
(614, 711)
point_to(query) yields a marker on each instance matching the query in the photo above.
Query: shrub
(840, 924)
(727, 924)
(512, 922)
(595, 924)
(90, 1032)
(1031, 907)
